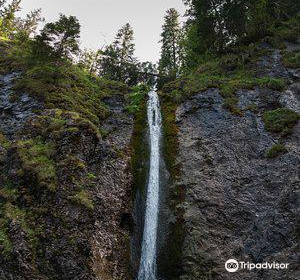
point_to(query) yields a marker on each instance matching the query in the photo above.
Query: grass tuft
(276, 150)
(280, 120)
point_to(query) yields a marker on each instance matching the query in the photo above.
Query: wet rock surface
(239, 204)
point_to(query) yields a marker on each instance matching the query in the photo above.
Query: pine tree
(119, 62)
(62, 36)
(171, 58)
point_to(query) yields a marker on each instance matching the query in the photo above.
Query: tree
(62, 36)
(118, 61)
(90, 60)
(171, 52)
(8, 17)
(27, 27)
(214, 25)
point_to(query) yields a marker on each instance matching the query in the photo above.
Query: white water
(147, 269)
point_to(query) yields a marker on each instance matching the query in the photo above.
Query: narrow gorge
(104, 176)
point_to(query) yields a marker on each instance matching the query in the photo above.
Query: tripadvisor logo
(233, 265)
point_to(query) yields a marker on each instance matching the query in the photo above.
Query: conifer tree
(171, 58)
(119, 62)
(62, 36)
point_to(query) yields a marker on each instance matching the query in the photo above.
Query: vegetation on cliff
(49, 171)
(222, 45)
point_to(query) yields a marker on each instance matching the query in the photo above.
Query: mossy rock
(231, 105)
(276, 150)
(281, 120)
(82, 198)
(291, 59)
(37, 159)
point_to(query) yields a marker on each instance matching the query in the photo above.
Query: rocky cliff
(239, 171)
(65, 178)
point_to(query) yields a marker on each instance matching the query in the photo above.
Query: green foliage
(91, 176)
(3, 141)
(214, 74)
(280, 120)
(5, 241)
(89, 61)
(13, 27)
(67, 87)
(171, 53)
(11, 212)
(137, 98)
(215, 26)
(288, 30)
(8, 17)
(36, 157)
(13, 56)
(8, 191)
(118, 62)
(276, 150)
(292, 59)
(61, 36)
(82, 198)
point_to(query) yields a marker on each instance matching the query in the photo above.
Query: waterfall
(147, 269)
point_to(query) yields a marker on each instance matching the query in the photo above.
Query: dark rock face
(111, 256)
(239, 204)
(75, 230)
(14, 113)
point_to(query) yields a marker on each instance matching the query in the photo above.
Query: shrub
(137, 97)
(275, 151)
(281, 120)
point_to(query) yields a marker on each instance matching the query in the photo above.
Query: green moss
(36, 157)
(11, 212)
(140, 149)
(82, 198)
(231, 105)
(291, 59)
(280, 121)
(4, 142)
(13, 56)
(65, 86)
(272, 83)
(5, 241)
(276, 150)
(172, 257)
(73, 163)
(170, 137)
(228, 81)
(252, 108)
(8, 191)
(57, 123)
(91, 176)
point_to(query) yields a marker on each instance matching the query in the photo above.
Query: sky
(101, 19)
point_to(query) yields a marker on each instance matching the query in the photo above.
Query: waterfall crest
(147, 269)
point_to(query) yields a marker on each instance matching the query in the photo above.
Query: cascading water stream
(147, 269)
